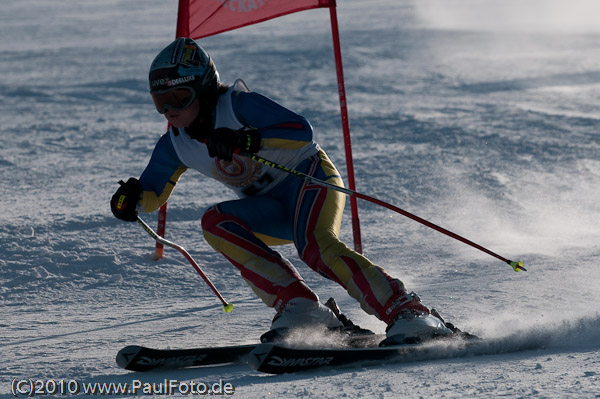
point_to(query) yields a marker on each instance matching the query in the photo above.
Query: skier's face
(183, 118)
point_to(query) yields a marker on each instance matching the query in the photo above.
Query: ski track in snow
(482, 119)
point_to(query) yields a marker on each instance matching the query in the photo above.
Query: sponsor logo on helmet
(171, 82)
(182, 71)
(190, 56)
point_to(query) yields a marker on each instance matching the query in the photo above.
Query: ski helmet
(183, 63)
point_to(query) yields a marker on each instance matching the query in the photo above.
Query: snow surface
(480, 116)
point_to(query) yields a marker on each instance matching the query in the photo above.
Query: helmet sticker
(171, 82)
(182, 71)
(192, 61)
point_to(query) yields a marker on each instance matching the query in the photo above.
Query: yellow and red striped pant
(309, 215)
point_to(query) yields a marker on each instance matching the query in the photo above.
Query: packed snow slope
(479, 116)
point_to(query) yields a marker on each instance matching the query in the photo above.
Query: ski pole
(517, 266)
(227, 306)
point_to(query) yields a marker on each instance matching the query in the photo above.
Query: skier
(211, 126)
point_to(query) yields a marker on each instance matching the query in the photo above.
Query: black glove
(223, 142)
(124, 202)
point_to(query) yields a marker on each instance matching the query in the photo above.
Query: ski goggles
(176, 99)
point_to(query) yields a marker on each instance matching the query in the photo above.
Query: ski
(345, 346)
(140, 358)
(278, 359)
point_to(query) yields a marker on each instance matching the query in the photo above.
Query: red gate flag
(200, 18)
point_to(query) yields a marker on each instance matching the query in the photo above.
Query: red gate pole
(162, 225)
(345, 126)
